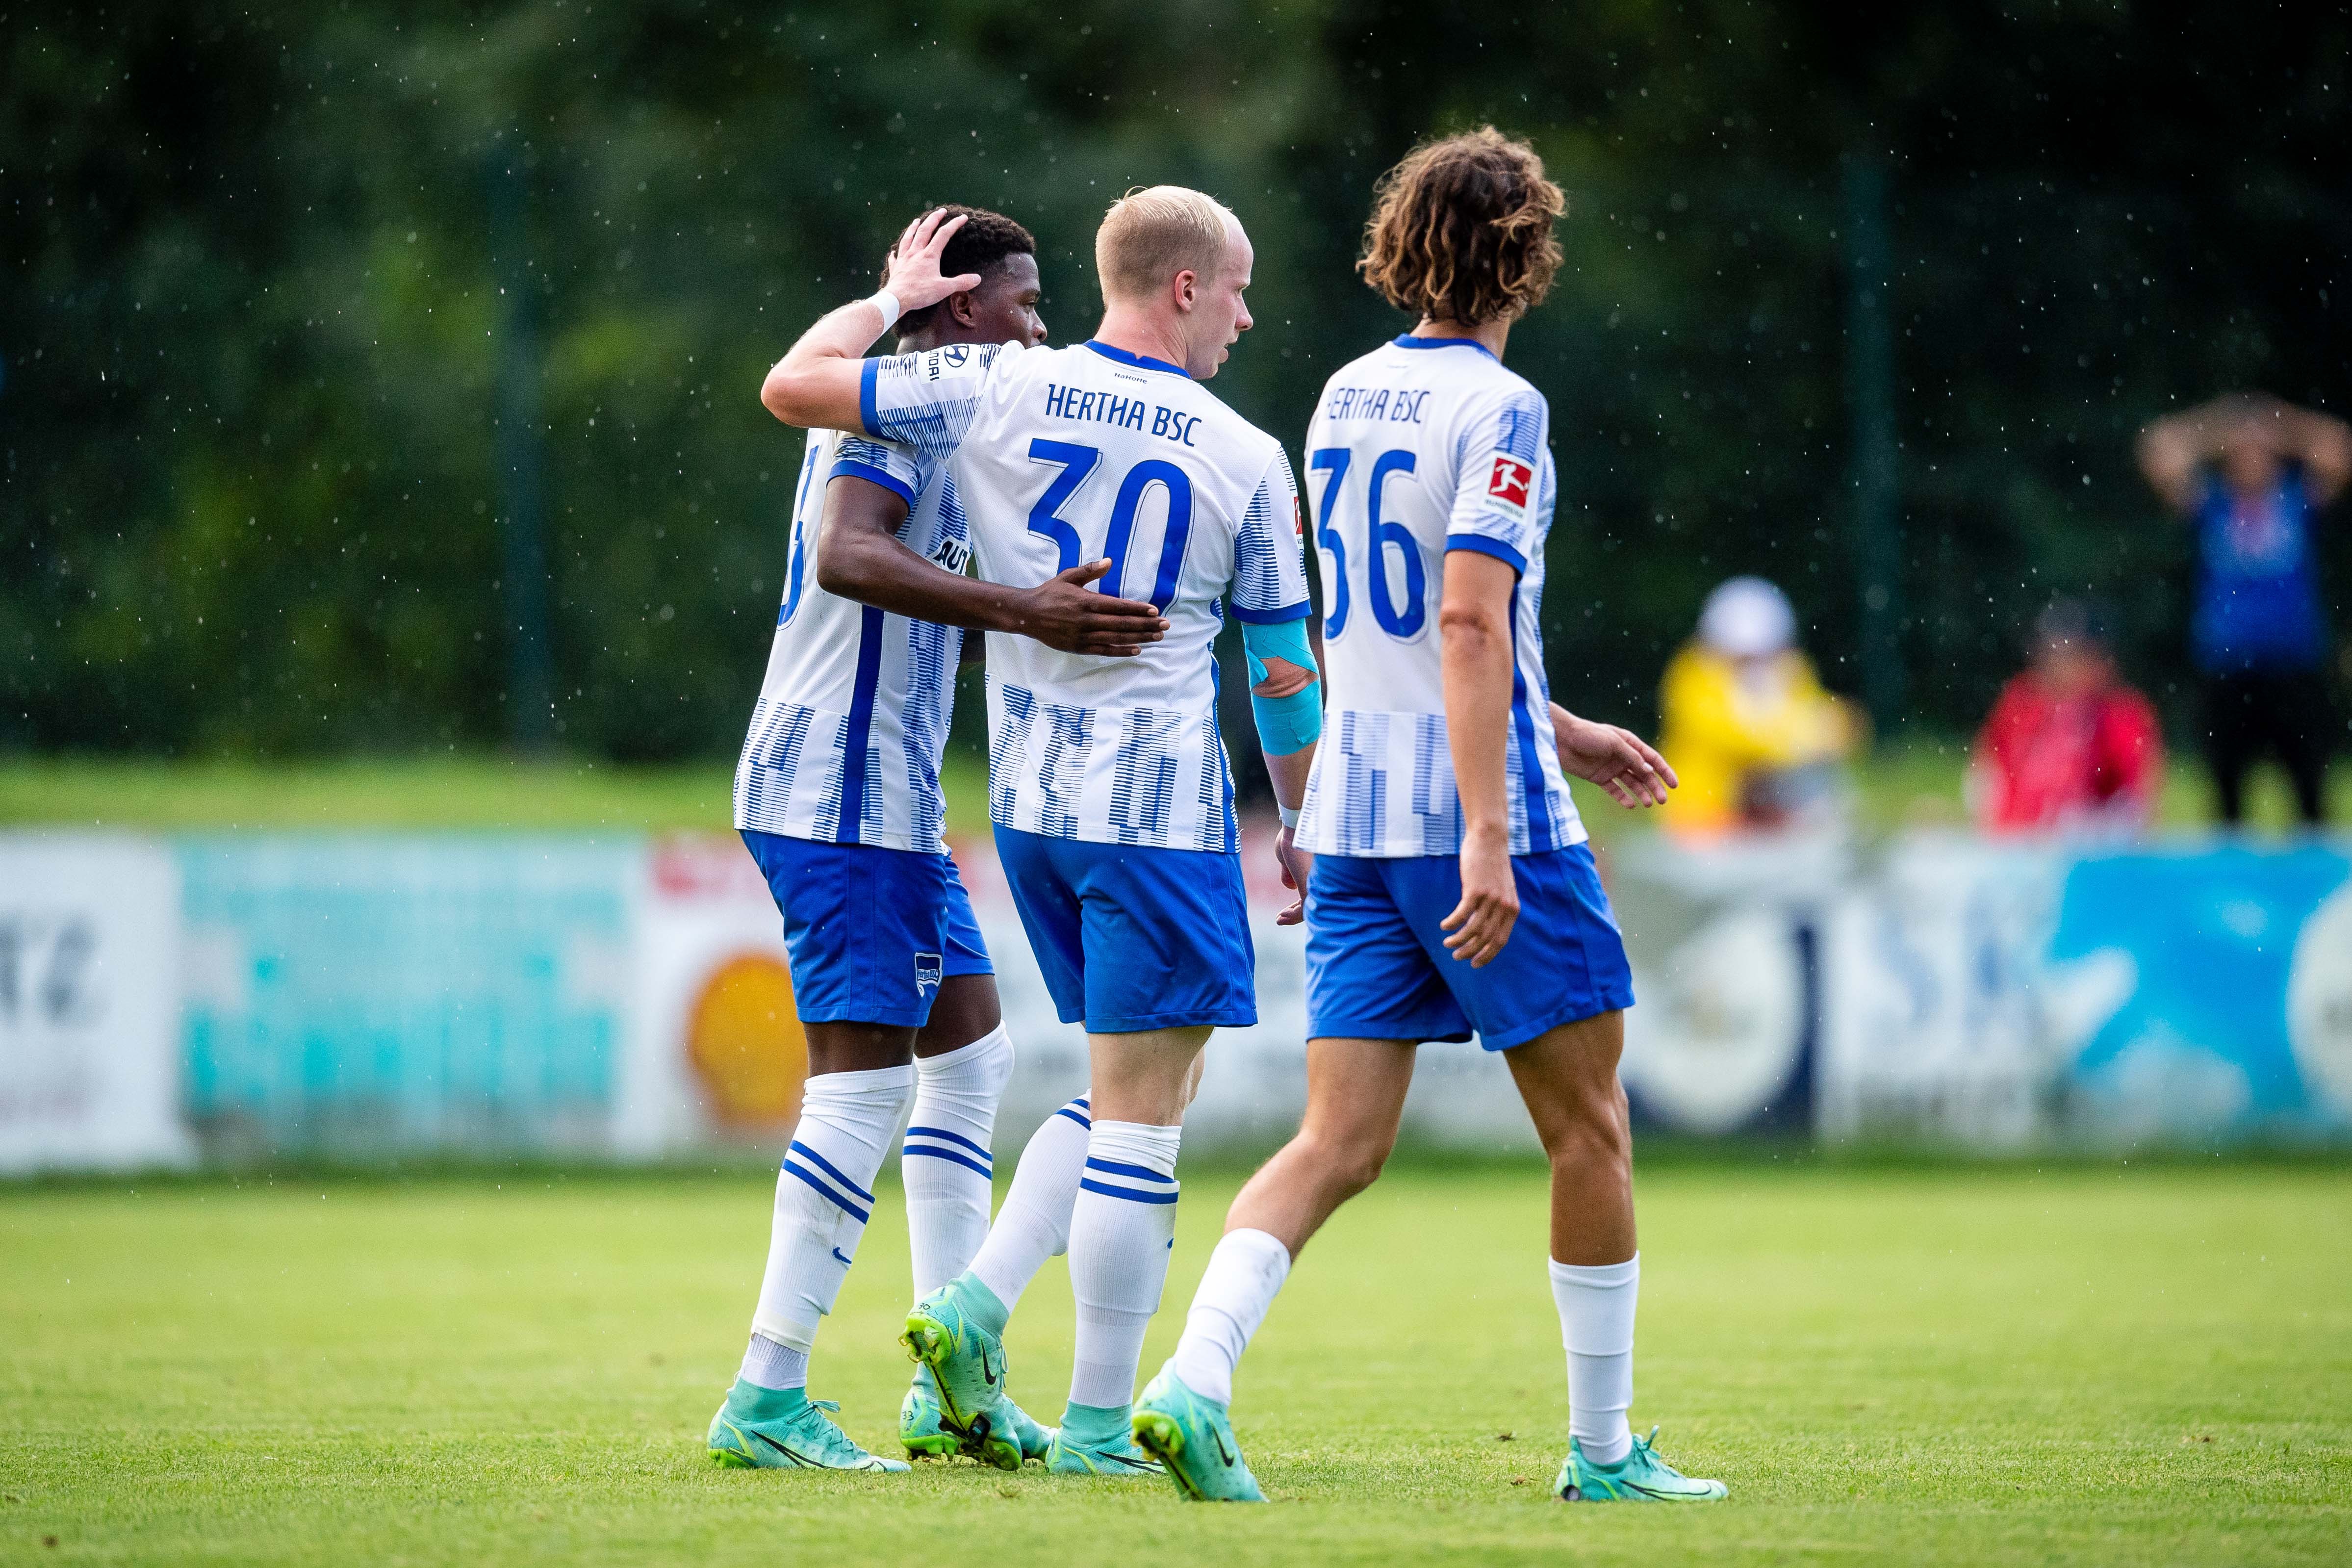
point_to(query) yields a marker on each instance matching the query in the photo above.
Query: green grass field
(1911, 784)
(2086, 1366)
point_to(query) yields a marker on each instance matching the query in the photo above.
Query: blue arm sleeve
(1285, 724)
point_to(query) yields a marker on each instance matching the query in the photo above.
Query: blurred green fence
(308, 310)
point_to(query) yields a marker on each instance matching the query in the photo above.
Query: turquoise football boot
(784, 1429)
(919, 1428)
(1097, 1441)
(956, 1331)
(1640, 1477)
(927, 1436)
(1193, 1438)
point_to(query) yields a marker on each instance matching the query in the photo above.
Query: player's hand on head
(1296, 865)
(1481, 923)
(1618, 761)
(1065, 611)
(913, 272)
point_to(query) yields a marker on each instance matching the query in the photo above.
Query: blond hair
(1461, 230)
(1151, 234)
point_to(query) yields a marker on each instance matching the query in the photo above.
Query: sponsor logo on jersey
(1511, 481)
(951, 554)
(936, 363)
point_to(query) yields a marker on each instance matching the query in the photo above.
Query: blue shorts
(871, 931)
(1132, 938)
(1378, 969)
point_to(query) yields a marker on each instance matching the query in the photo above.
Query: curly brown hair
(1461, 230)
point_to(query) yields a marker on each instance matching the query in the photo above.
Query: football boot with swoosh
(927, 1436)
(783, 1429)
(1097, 1441)
(924, 1435)
(949, 1331)
(1640, 1477)
(1193, 1437)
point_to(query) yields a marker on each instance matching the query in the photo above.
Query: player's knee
(1192, 1079)
(1345, 1167)
(1591, 1126)
(1367, 1156)
(1359, 1168)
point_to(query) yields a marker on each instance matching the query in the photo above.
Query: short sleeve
(890, 464)
(1500, 500)
(926, 400)
(1270, 552)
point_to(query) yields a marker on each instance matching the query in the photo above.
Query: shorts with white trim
(871, 931)
(1378, 968)
(1132, 938)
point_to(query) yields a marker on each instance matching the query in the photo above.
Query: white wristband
(888, 303)
(1290, 817)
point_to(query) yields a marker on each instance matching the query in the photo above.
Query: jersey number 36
(1402, 621)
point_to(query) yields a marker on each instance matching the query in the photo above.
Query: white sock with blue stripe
(1121, 1227)
(1034, 1223)
(825, 1195)
(945, 1165)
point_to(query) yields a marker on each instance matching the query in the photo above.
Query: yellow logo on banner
(745, 1042)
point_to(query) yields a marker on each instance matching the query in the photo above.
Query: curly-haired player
(1439, 787)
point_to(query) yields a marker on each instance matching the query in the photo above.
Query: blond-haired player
(1108, 785)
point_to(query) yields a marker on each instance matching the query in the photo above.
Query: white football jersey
(1063, 455)
(848, 681)
(1424, 447)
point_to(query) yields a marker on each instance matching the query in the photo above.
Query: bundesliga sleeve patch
(1511, 481)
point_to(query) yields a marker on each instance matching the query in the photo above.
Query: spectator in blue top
(2252, 474)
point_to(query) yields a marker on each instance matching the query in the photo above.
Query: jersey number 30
(1403, 621)
(1076, 463)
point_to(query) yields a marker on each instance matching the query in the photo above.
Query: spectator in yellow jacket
(1756, 738)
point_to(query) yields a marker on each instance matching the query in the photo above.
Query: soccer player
(1108, 784)
(1452, 888)
(838, 797)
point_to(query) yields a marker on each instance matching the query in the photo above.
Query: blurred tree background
(341, 348)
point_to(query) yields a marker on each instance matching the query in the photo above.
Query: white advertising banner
(2002, 993)
(713, 1054)
(1726, 958)
(90, 1005)
(249, 997)
(1941, 1018)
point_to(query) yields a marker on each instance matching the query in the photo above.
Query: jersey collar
(1409, 341)
(1140, 361)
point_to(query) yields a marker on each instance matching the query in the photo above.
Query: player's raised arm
(818, 384)
(859, 556)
